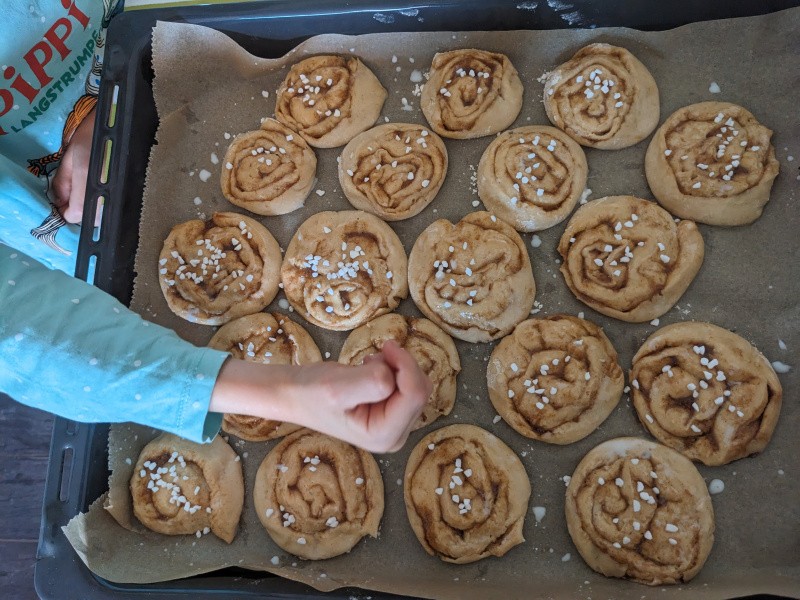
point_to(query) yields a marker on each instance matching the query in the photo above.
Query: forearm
(372, 405)
(255, 389)
(68, 348)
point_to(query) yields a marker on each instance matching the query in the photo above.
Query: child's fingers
(369, 358)
(400, 441)
(410, 378)
(399, 414)
(372, 382)
(62, 183)
(77, 194)
(413, 390)
(360, 415)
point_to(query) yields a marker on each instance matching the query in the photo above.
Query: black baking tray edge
(77, 472)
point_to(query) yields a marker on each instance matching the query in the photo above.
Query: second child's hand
(69, 182)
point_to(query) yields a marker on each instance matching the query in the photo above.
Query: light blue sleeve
(37, 97)
(68, 348)
(24, 206)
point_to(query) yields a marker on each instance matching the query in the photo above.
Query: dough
(393, 171)
(466, 494)
(269, 338)
(474, 278)
(239, 276)
(343, 269)
(602, 97)
(270, 171)
(317, 496)
(471, 93)
(705, 392)
(532, 177)
(329, 99)
(180, 488)
(626, 258)
(555, 379)
(432, 348)
(638, 510)
(712, 162)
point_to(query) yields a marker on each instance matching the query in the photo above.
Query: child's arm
(70, 349)
(372, 406)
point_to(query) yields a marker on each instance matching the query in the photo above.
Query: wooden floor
(24, 447)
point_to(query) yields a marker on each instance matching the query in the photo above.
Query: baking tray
(124, 132)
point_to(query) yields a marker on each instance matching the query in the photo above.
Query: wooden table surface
(24, 448)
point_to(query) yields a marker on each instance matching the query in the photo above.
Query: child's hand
(373, 406)
(69, 182)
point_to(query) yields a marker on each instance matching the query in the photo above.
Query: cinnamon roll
(270, 171)
(626, 258)
(471, 93)
(432, 348)
(705, 392)
(555, 379)
(269, 338)
(329, 99)
(473, 279)
(317, 496)
(343, 269)
(466, 494)
(214, 271)
(180, 488)
(638, 510)
(393, 170)
(712, 162)
(532, 177)
(602, 97)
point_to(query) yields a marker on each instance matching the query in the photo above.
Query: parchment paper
(207, 86)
